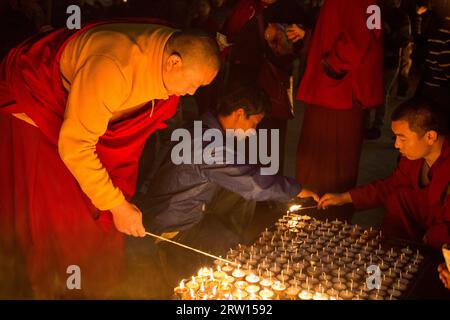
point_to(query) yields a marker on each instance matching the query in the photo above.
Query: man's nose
(397, 144)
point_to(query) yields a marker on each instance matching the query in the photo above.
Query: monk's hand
(128, 219)
(334, 199)
(306, 193)
(295, 33)
(444, 275)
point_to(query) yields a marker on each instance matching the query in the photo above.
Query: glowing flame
(294, 207)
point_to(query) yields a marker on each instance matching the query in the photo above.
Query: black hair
(423, 115)
(251, 98)
(423, 3)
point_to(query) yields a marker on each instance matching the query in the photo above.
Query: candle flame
(294, 208)
(182, 284)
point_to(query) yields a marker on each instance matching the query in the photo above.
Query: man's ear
(173, 61)
(432, 136)
(240, 113)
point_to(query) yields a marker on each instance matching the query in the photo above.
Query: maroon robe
(412, 212)
(331, 136)
(45, 217)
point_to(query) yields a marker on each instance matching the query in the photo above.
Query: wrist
(347, 198)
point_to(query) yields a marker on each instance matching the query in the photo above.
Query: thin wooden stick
(304, 208)
(190, 248)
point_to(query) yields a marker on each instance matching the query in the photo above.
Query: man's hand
(306, 193)
(128, 219)
(334, 199)
(294, 33)
(444, 275)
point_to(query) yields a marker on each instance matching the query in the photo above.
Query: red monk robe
(241, 13)
(44, 214)
(412, 212)
(331, 135)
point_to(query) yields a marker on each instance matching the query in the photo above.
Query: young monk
(416, 195)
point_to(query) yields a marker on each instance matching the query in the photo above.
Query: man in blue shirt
(209, 204)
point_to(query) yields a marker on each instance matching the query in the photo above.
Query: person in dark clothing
(209, 206)
(267, 37)
(435, 82)
(398, 47)
(424, 24)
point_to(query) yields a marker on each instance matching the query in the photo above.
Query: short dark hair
(423, 116)
(251, 98)
(423, 3)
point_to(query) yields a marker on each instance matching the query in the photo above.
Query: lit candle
(240, 285)
(193, 284)
(333, 294)
(266, 283)
(253, 297)
(212, 283)
(213, 294)
(225, 288)
(191, 295)
(181, 290)
(228, 279)
(252, 289)
(219, 274)
(305, 295)
(227, 268)
(292, 292)
(252, 278)
(320, 296)
(238, 273)
(266, 294)
(240, 295)
(278, 288)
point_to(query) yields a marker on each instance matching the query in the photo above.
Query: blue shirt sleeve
(247, 181)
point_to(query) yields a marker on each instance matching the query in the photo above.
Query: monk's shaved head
(194, 47)
(191, 60)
